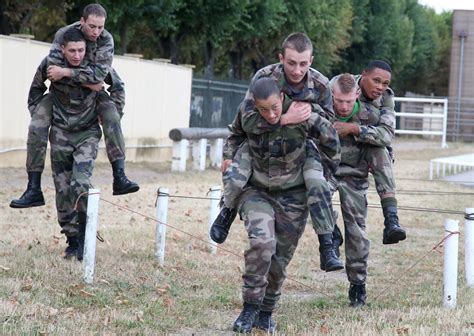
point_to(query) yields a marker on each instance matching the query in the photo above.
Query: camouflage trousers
(236, 177)
(72, 162)
(41, 121)
(353, 197)
(274, 222)
(380, 165)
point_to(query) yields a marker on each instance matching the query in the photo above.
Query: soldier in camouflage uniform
(364, 132)
(99, 56)
(374, 126)
(309, 89)
(74, 137)
(273, 203)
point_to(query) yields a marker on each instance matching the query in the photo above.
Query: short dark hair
(264, 87)
(346, 83)
(72, 35)
(378, 64)
(297, 41)
(94, 9)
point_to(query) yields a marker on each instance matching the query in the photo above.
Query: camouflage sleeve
(327, 141)
(97, 69)
(236, 137)
(55, 56)
(325, 102)
(381, 134)
(38, 87)
(94, 70)
(116, 90)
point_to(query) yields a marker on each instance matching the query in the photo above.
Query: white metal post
(445, 124)
(199, 154)
(450, 273)
(180, 155)
(213, 212)
(161, 217)
(90, 234)
(469, 246)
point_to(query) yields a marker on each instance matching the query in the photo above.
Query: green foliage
(237, 37)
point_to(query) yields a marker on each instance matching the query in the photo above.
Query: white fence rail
(423, 108)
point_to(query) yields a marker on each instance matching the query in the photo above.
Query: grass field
(196, 293)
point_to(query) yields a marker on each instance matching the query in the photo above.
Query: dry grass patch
(199, 293)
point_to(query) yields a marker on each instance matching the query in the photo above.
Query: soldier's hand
(225, 164)
(297, 113)
(94, 87)
(56, 73)
(346, 128)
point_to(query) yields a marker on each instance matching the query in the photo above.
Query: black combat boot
(71, 250)
(329, 261)
(220, 228)
(246, 319)
(265, 322)
(393, 232)
(357, 295)
(33, 196)
(337, 240)
(122, 185)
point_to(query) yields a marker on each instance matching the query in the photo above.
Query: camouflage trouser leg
(318, 192)
(114, 140)
(353, 196)
(235, 178)
(274, 223)
(72, 162)
(380, 164)
(38, 135)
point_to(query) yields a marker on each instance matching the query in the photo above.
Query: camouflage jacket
(376, 119)
(315, 91)
(99, 56)
(73, 104)
(278, 154)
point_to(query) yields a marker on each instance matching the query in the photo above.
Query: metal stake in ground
(161, 220)
(469, 246)
(90, 235)
(450, 274)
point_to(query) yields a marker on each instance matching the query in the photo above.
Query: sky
(440, 5)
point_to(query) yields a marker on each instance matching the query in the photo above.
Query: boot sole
(22, 206)
(126, 191)
(394, 238)
(334, 268)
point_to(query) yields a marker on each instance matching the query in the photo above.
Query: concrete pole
(162, 218)
(469, 246)
(90, 234)
(199, 154)
(180, 155)
(213, 212)
(450, 274)
(216, 152)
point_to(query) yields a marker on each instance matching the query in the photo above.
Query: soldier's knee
(109, 115)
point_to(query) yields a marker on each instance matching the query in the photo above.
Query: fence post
(161, 218)
(199, 154)
(469, 247)
(90, 234)
(450, 273)
(216, 152)
(180, 155)
(213, 211)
